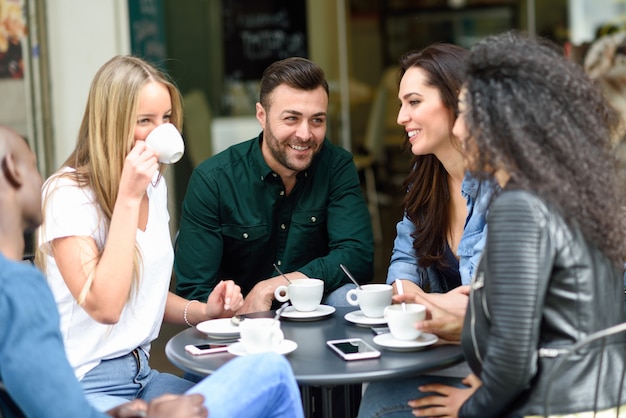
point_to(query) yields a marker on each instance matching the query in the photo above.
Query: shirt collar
(470, 186)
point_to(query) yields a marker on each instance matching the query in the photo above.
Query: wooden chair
(373, 152)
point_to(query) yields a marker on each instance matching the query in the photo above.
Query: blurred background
(216, 50)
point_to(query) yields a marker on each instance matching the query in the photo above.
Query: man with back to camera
(36, 379)
(289, 197)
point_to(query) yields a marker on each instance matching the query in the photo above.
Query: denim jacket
(404, 261)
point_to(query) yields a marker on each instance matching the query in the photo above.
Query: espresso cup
(259, 335)
(305, 294)
(401, 321)
(371, 298)
(167, 142)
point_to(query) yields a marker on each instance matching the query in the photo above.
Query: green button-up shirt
(237, 221)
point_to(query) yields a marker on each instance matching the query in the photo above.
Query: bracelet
(186, 310)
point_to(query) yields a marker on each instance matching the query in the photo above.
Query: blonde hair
(106, 132)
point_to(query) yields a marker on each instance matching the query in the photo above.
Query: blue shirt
(404, 262)
(33, 365)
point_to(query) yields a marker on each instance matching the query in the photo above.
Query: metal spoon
(281, 273)
(279, 311)
(237, 319)
(400, 292)
(345, 270)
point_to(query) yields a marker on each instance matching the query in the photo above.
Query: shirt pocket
(243, 240)
(308, 235)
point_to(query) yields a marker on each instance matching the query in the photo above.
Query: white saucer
(322, 311)
(285, 347)
(219, 328)
(387, 341)
(357, 317)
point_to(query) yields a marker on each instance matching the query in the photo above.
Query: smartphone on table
(201, 349)
(353, 349)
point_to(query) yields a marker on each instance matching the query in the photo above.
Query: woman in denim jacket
(404, 262)
(442, 233)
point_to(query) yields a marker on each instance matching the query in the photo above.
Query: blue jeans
(260, 385)
(389, 399)
(119, 380)
(337, 297)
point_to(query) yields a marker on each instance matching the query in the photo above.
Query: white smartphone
(353, 349)
(201, 349)
(380, 330)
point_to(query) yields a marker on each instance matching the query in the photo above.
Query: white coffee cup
(259, 335)
(371, 298)
(305, 294)
(167, 142)
(401, 322)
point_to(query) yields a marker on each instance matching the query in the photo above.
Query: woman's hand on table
(448, 400)
(439, 321)
(224, 300)
(455, 301)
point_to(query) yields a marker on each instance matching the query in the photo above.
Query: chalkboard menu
(257, 33)
(147, 33)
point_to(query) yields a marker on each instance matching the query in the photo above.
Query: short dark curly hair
(538, 116)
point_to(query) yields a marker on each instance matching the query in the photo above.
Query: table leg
(307, 401)
(327, 401)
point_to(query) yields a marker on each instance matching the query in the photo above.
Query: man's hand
(261, 296)
(178, 406)
(449, 401)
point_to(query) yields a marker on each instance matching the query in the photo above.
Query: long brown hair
(426, 202)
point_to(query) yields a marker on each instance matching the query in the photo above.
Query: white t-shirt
(71, 211)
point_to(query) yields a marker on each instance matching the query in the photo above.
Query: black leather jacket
(540, 285)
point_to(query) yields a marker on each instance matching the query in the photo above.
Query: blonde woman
(105, 243)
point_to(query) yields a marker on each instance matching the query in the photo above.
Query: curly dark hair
(538, 116)
(427, 200)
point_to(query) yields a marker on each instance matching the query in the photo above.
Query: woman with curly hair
(550, 274)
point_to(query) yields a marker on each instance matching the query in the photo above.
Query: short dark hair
(296, 72)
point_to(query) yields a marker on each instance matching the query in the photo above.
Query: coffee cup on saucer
(401, 320)
(167, 142)
(259, 335)
(371, 298)
(305, 294)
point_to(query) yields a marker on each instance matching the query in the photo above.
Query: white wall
(82, 35)
(586, 15)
